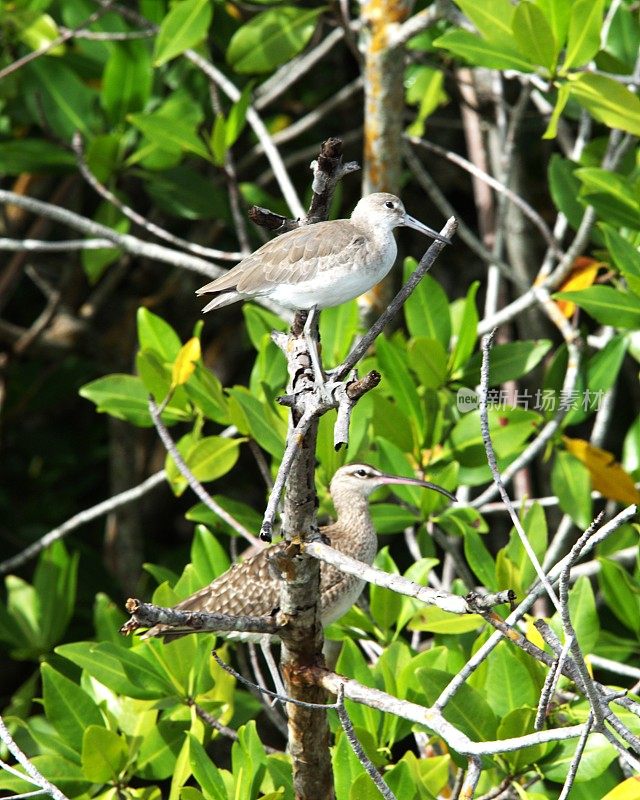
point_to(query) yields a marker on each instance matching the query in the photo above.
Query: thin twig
(493, 465)
(191, 479)
(81, 518)
(134, 216)
(352, 738)
(33, 775)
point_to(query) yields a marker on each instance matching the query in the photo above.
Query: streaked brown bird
(251, 588)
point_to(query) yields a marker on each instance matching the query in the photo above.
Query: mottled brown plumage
(251, 588)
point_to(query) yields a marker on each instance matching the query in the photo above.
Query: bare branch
(191, 479)
(493, 464)
(146, 615)
(128, 243)
(89, 514)
(362, 757)
(446, 601)
(33, 775)
(134, 216)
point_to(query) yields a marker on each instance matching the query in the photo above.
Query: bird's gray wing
(291, 258)
(296, 257)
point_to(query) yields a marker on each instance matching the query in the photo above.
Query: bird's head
(385, 210)
(364, 479)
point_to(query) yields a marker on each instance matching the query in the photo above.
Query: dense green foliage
(106, 716)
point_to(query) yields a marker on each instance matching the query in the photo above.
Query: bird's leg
(312, 347)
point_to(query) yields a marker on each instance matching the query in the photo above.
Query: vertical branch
(300, 594)
(384, 94)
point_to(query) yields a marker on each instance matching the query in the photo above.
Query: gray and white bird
(250, 588)
(321, 265)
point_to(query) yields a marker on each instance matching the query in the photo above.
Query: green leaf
(429, 360)
(237, 118)
(159, 750)
(33, 155)
(217, 140)
(157, 335)
(480, 560)
(509, 429)
(535, 527)
(492, 18)
(561, 101)
(206, 393)
(208, 459)
(424, 88)
(125, 397)
(534, 35)
(60, 97)
(565, 188)
(614, 196)
(208, 557)
(68, 707)
(206, 772)
(622, 593)
(338, 329)
(104, 754)
(172, 134)
(127, 79)
(519, 722)
(571, 483)
(185, 26)
(607, 100)
(583, 41)
(557, 13)
(508, 682)
(467, 334)
(248, 759)
(631, 447)
(385, 604)
(183, 192)
(392, 361)
(626, 256)
(482, 53)
(607, 305)
(456, 521)
(260, 322)
(391, 518)
(43, 31)
(596, 757)
(122, 670)
(508, 362)
(427, 309)
(434, 620)
(602, 371)
(271, 38)
(55, 582)
(467, 709)
(63, 774)
(390, 422)
(584, 616)
(256, 419)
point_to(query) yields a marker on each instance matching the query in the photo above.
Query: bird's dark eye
(389, 204)
(361, 473)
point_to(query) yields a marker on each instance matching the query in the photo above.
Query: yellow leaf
(582, 275)
(627, 790)
(185, 362)
(532, 633)
(607, 476)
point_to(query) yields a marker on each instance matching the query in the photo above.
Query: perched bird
(251, 588)
(321, 265)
